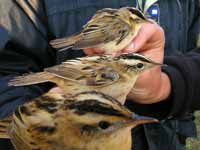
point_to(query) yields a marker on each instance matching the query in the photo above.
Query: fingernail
(131, 47)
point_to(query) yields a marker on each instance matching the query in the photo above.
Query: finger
(99, 52)
(130, 48)
(56, 90)
(144, 35)
(140, 40)
(89, 51)
(141, 34)
(93, 51)
(151, 21)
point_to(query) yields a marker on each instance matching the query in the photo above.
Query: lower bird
(111, 75)
(85, 121)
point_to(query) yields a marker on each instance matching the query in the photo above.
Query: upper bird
(112, 75)
(109, 30)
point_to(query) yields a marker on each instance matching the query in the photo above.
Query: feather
(106, 27)
(94, 75)
(66, 42)
(103, 32)
(30, 79)
(5, 126)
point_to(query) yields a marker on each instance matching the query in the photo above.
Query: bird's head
(96, 114)
(133, 15)
(88, 121)
(135, 63)
(100, 121)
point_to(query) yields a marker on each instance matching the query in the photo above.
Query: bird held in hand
(109, 30)
(112, 75)
(86, 121)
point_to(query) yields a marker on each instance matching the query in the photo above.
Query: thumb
(145, 33)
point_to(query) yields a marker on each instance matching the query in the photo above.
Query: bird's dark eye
(140, 65)
(104, 124)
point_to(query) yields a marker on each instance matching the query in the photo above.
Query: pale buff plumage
(86, 121)
(110, 30)
(112, 75)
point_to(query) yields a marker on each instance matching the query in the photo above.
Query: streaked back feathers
(109, 29)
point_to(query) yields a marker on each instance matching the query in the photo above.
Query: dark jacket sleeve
(23, 49)
(184, 71)
(14, 96)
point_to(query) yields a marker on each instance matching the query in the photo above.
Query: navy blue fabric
(6, 144)
(27, 50)
(16, 95)
(3, 38)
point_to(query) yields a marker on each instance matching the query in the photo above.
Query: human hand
(153, 85)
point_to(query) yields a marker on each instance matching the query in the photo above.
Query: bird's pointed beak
(157, 64)
(153, 63)
(138, 120)
(131, 123)
(140, 117)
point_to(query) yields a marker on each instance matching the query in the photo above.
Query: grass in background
(194, 144)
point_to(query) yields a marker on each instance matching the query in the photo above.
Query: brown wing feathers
(30, 79)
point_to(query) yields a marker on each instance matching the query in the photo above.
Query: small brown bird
(112, 75)
(110, 30)
(86, 121)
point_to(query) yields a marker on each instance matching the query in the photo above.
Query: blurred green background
(194, 144)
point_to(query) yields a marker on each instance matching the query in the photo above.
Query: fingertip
(56, 90)
(99, 52)
(93, 51)
(130, 48)
(144, 34)
(88, 51)
(151, 21)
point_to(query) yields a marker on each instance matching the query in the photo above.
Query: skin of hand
(153, 85)
(56, 90)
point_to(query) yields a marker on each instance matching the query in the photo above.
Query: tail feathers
(30, 79)
(64, 43)
(5, 126)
